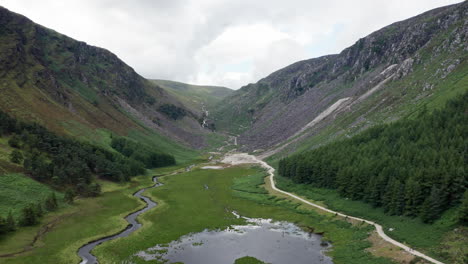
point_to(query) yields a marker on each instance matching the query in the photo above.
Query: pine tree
(94, 189)
(463, 210)
(10, 222)
(3, 225)
(69, 196)
(16, 156)
(412, 194)
(301, 173)
(431, 207)
(28, 216)
(51, 202)
(14, 141)
(39, 211)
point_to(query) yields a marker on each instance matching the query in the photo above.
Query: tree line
(31, 214)
(172, 111)
(139, 153)
(412, 167)
(67, 163)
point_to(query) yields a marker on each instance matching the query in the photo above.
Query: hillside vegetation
(415, 167)
(63, 163)
(195, 96)
(70, 87)
(384, 76)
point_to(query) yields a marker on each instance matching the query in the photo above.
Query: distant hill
(195, 96)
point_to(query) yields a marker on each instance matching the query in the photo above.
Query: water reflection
(270, 241)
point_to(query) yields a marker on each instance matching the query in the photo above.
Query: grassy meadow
(86, 220)
(185, 206)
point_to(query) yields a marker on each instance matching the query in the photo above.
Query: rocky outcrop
(287, 100)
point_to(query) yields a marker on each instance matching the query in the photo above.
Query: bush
(172, 111)
(69, 196)
(16, 156)
(51, 203)
(28, 216)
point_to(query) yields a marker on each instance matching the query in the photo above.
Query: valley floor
(199, 199)
(243, 158)
(185, 206)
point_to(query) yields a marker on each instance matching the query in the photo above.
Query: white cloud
(218, 42)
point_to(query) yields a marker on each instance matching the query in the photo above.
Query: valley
(350, 158)
(235, 190)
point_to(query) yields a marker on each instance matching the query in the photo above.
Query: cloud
(218, 42)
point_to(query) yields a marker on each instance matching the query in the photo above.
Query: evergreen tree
(3, 225)
(409, 167)
(51, 202)
(463, 210)
(10, 222)
(14, 141)
(69, 196)
(16, 156)
(28, 216)
(431, 206)
(94, 189)
(39, 211)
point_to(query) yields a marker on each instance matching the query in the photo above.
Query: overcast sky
(218, 42)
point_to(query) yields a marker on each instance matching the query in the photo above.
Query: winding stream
(85, 251)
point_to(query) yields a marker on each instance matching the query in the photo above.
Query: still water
(269, 241)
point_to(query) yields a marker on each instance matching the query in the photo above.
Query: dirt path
(243, 158)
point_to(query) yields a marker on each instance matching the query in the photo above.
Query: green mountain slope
(195, 96)
(413, 167)
(384, 76)
(84, 91)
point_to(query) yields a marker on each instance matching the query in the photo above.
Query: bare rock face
(404, 68)
(272, 110)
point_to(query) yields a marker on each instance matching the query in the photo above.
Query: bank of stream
(274, 242)
(85, 251)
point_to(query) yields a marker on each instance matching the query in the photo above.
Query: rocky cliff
(377, 79)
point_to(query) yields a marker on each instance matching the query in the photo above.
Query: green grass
(413, 232)
(103, 137)
(248, 260)
(215, 140)
(250, 183)
(88, 219)
(75, 98)
(185, 206)
(17, 191)
(182, 153)
(6, 166)
(194, 96)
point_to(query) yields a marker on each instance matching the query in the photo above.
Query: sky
(218, 42)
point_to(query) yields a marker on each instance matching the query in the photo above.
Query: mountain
(84, 91)
(414, 64)
(195, 97)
